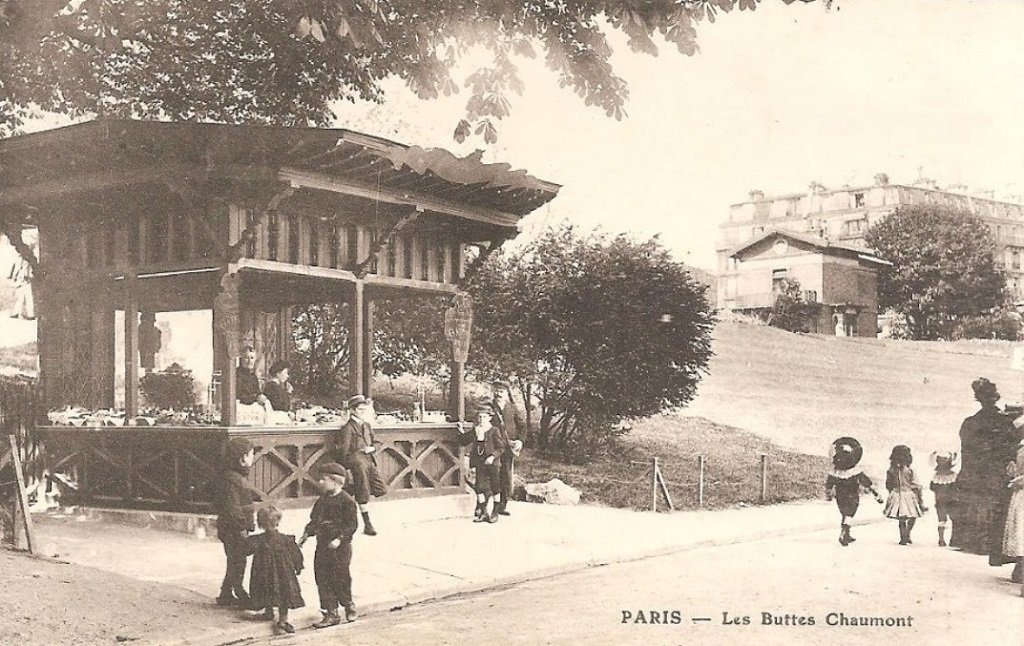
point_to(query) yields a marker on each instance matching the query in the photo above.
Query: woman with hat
(356, 449)
(845, 481)
(988, 440)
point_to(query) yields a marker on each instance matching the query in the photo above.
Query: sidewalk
(428, 548)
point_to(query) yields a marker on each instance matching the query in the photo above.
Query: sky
(775, 98)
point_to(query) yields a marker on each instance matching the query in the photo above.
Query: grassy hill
(802, 391)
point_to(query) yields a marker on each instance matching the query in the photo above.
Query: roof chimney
(881, 179)
(756, 195)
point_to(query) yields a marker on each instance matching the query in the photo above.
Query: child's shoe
(329, 619)
(367, 525)
(284, 626)
(493, 518)
(350, 612)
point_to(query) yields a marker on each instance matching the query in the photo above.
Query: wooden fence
(18, 411)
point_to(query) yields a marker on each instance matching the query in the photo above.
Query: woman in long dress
(988, 441)
(1013, 536)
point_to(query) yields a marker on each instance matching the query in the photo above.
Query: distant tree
(944, 267)
(599, 330)
(286, 61)
(170, 389)
(790, 310)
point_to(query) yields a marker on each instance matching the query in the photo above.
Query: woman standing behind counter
(277, 390)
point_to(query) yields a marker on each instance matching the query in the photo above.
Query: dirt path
(50, 603)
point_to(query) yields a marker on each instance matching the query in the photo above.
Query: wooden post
(131, 348)
(764, 477)
(654, 485)
(21, 506)
(456, 393)
(700, 480)
(357, 339)
(367, 370)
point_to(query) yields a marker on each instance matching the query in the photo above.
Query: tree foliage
(170, 389)
(790, 310)
(408, 339)
(600, 330)
(286, 61)
(944, 268)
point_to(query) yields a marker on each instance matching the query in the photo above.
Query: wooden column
(131, 347)
(227, 325)
(457, 395)
(367, 346)
(357, 339)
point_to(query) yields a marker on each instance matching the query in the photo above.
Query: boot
(480, 514)
(1018, 572)
(844, 535)
(903, 532)
(329, 619)
(910, 527)
(367, 525)
(350, 613)
(942, 536)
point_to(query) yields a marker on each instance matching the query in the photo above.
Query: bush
(1002, 324)
(791, 311)
(173, 388)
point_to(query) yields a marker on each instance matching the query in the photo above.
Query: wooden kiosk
(137, 218)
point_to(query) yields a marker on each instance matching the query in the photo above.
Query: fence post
(700, 480)
(764, 477)
(654, 485)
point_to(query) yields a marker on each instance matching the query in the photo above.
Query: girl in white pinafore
(904, 502)
(1013, 537)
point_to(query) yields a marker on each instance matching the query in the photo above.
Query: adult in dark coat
(247, 384)
(277, 389)
(987, 442)
(356, 449)
(511, 430)
(234, 505)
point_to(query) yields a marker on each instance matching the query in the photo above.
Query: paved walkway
(429, 548)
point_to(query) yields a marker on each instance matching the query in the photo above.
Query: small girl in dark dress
(943, 485)
(845, 481)
(276, 561)
(905, 503)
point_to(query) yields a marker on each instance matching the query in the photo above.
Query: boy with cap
(355, 449)
(485, 458)
(333, 520)
(234, 505)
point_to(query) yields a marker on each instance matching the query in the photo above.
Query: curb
(231, 636)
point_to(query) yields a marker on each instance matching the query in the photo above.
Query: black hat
(846, 453)
(984, 389)
(333, 469)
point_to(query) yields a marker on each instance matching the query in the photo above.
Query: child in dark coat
(845, 481)
(334, 519)
(234, 505)
(276, 562)
(485, 449)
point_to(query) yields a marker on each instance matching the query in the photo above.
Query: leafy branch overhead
(287, 61)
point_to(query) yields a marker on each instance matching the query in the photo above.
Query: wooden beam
(131, 349)
(385, 240)
(367, 370)
(320, 182)
(357, 339)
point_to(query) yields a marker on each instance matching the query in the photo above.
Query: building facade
(842, 279)
(844, 216)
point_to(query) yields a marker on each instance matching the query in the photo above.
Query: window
(778, 279)
(1015, 259)
(858, 200)
(811, 296)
